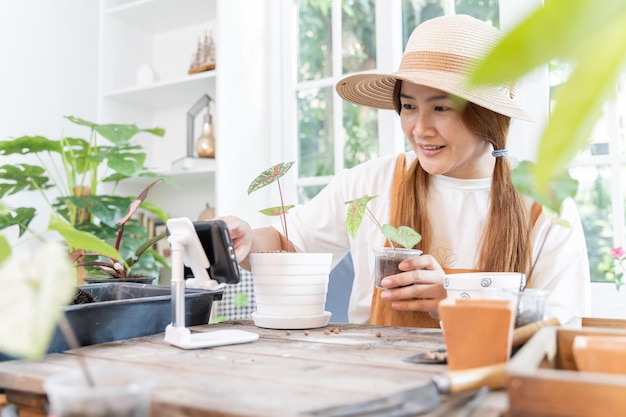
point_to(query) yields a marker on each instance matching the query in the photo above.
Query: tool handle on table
(492, 376)
(523, 333)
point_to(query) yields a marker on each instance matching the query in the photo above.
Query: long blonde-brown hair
(505, 244)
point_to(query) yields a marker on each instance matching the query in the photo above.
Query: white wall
(49, 70)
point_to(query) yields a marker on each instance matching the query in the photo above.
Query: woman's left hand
(420, 288)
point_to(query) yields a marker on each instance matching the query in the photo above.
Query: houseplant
(105, 268)
(290, 288)
(386, 259)
(68, 177)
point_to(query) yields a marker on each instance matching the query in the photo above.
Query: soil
(83, 297)
(386, 267)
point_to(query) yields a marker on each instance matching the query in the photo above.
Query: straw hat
(440, 54)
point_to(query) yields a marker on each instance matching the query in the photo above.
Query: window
(599, 169)
(338, 37)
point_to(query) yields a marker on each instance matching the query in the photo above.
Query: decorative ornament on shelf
(204, 57)
(205, 144)
(197, 158)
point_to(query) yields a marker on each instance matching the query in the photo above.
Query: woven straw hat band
(435, 61)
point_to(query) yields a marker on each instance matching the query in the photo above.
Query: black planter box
(128, 310)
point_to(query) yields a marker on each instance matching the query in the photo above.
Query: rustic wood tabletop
(283, 373)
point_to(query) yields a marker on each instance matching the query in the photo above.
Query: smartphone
(218, 247)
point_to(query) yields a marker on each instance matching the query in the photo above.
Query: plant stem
(283, 219)
(72, 341)
(380, 227)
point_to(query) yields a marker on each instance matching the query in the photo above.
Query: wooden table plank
(281, 374)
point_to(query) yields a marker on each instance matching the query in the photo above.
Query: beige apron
(381, 312)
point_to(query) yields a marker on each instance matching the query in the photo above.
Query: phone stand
(187, 250)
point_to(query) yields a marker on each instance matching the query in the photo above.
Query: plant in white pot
(290, 287)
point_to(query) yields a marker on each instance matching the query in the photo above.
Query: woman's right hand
(241, 234)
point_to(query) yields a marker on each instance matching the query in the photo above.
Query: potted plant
(73, 169)
(388, 258)
(290, 288)
(105, 268)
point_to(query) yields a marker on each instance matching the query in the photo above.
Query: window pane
(307, 193)
(487, 10)
(415, 12)
(594, 203)
(314, 36)
(621, 112)
(360, 134)
(358, 35)
(315, 130)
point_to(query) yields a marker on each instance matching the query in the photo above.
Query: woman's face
(431, 120)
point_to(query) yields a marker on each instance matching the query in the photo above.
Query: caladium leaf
(35, 288)
(269, 176)
(356, 210)
(276, 211)
(403, 235)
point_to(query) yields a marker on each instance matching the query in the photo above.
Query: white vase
(290, 289)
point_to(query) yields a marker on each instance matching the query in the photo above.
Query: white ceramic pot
(473, 284)
(278, 289)
(290, 289)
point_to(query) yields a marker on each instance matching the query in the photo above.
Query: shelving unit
(160, 36)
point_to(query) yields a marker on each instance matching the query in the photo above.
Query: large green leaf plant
(590, 34)
(73, 170)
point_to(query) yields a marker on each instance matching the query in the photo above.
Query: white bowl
(472, 284)
(290, 299)
(290, 310)
(278, 289)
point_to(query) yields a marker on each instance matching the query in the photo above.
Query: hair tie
(500, 153)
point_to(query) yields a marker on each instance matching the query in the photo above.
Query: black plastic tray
(128, 310)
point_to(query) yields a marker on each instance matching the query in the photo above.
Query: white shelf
(158, 16)
(181, 91)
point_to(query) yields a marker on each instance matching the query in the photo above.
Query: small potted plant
(387, 259)
(290, 287)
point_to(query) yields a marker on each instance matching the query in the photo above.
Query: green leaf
(21, 217)
(355, 212)
(241, 299)
(276, 211)
(26, 145)
(116, 133)
(403, 235)
(35, 288)
(559, 188)
(22, 177)
(269, 176)
(5, 249)
(556, 30)
(81, 240)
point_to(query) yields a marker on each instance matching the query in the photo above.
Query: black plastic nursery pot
(128, 310)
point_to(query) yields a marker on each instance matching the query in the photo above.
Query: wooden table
(284, 373)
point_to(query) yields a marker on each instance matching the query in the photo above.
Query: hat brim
(376, 90)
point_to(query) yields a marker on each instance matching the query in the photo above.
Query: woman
(455, 189)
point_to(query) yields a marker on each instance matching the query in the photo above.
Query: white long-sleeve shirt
(458, 209)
